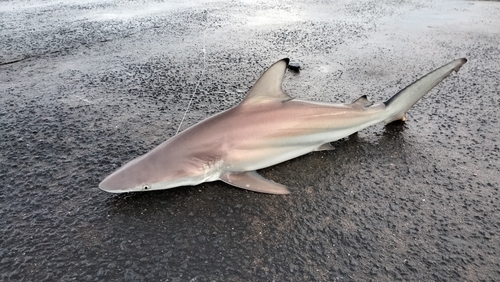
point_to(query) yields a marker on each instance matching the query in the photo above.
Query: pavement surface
(87, 85)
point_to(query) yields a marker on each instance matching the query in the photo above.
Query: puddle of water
(272, 17)
(101, 10)
(136, 10)
(30, 5)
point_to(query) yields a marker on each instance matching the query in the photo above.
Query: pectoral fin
(253, 181)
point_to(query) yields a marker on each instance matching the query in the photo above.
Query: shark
(266, 128)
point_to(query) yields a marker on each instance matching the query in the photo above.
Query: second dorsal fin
(363, 101)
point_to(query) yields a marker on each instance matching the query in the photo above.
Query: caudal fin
(399, 104)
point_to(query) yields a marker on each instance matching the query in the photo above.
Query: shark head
(130, 177)
(149, 172)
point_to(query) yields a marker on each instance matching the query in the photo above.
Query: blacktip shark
(268, 127)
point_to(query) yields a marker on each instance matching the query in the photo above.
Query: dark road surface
(86, 86)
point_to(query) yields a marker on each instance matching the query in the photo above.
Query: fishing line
(199, 80)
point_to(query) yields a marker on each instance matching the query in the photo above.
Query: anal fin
(325, 147)
(251, 180)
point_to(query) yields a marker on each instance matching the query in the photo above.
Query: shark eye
(145, 187)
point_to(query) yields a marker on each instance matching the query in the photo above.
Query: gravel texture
(88, 85)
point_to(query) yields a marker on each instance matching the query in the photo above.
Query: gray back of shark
(268, 127)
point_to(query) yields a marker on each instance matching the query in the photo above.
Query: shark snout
(112, 184)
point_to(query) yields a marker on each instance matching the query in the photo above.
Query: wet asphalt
(86, 86)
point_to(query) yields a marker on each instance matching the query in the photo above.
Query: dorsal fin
(268, 86)
(363, 101)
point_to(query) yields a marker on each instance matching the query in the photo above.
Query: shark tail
(399, 104)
